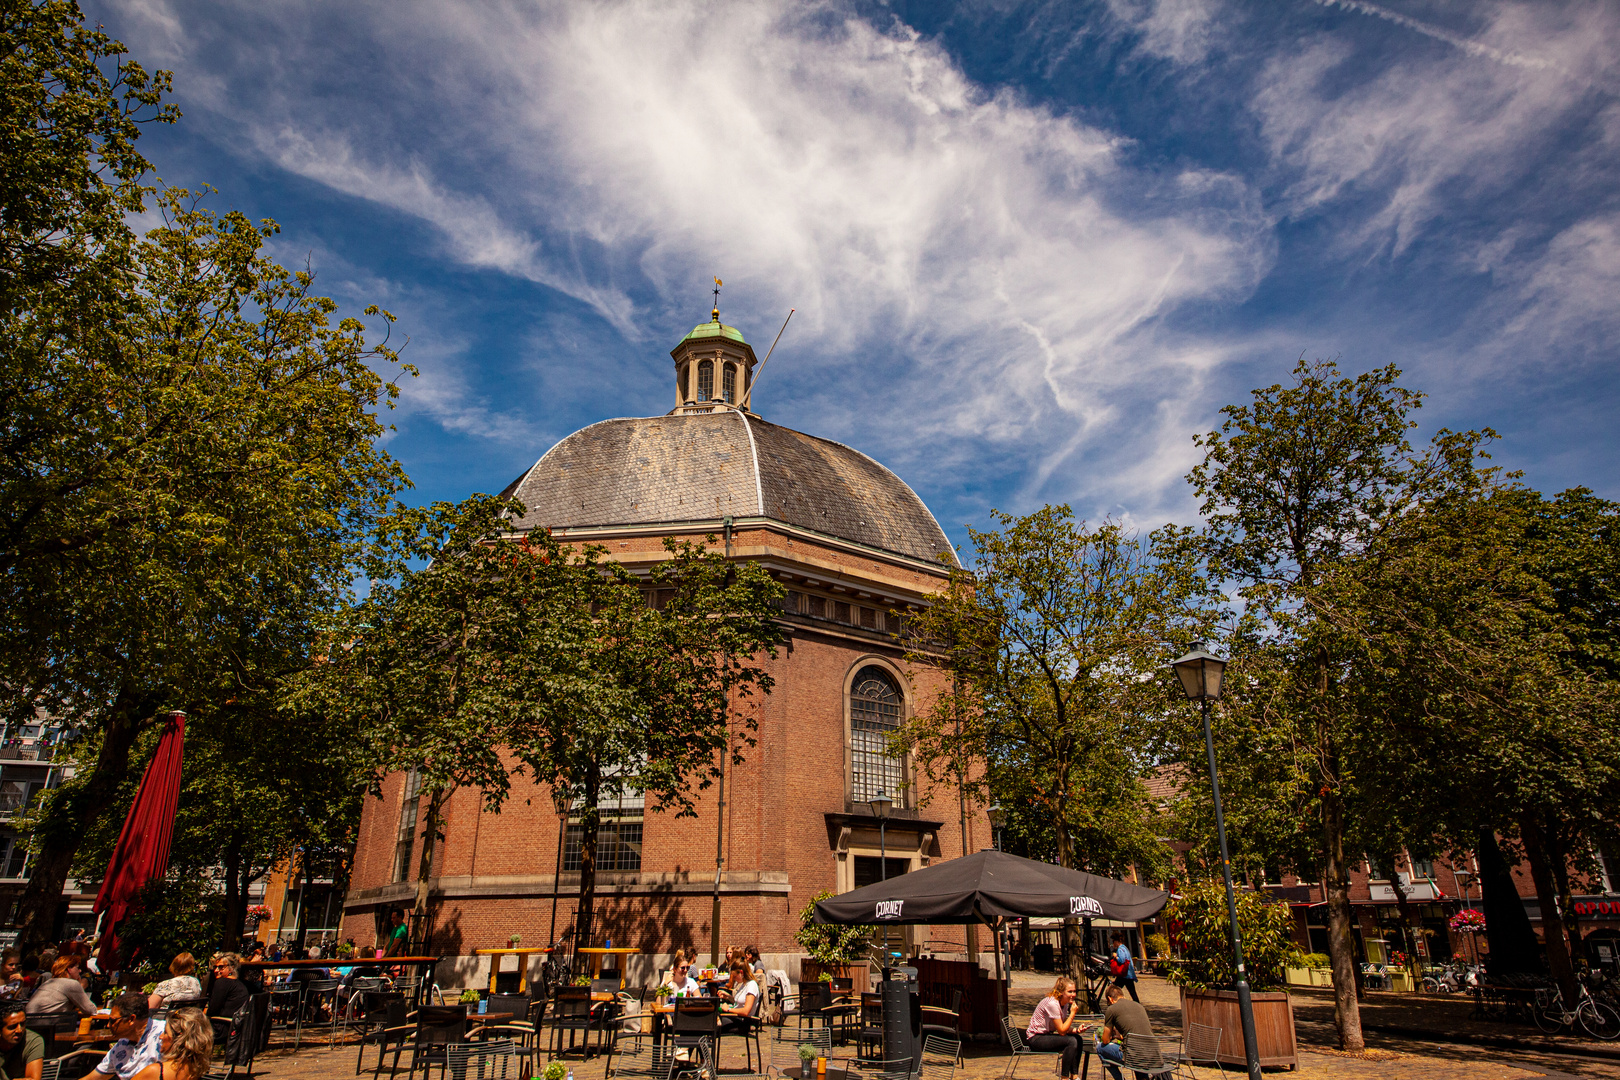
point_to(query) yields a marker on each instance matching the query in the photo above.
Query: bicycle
(1594, 1017)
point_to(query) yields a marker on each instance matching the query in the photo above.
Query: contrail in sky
(1472, 48)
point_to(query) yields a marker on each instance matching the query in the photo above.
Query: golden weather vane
(717, 284)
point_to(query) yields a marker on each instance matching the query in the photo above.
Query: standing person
(399, 934)
(1122, 966)
(22, 1052)
(187, 1045)
(1122, 1018)
(140, 1038)
(1050, 1026)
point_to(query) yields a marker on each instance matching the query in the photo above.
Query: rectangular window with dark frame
(840, 611)
(868, 618)
(790, 602)
(405, 839)
(818, 607)
(869, 869)
(729, 385)
(618, 842)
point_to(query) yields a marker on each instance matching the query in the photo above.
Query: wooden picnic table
(597, 955)
(496, 956)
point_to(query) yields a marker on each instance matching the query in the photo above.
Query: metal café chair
(642, 1056)
(489, 1060)
(571, 1012)
(869, 1035)
(945, 1023)
(694, 1020)
(316, 993)
(1015, 1043)
(785, 1049)
(1151, 1055)
(387, 1025)
(939, 1058)
(434, 1028)
(1203, 1047)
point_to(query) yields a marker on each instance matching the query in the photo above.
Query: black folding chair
(434, 1029)
(489, 1060)
(386, 1025)
(693, 1021)
(571, 1012)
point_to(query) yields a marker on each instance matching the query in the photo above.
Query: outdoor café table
(597, 955)
(1088, 1048)
(835, 1071)
(523, 968)
(423, 964)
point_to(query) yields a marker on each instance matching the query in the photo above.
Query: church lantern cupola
(714, 366)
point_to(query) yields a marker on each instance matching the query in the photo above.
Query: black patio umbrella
(989, 885)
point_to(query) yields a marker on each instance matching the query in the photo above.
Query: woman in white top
(744, 998)
(181, 986)
(680, 983)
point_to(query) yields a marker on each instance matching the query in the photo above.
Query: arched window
(875, 708)
(729, 385)
(705, 380)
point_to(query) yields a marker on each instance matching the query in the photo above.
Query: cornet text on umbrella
(1084, 905)
(889, 909)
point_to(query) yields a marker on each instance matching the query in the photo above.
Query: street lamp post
(881, 804)
(997, 817)
(1200, 672)
(562, 797)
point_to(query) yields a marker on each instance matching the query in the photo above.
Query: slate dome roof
(706, 466)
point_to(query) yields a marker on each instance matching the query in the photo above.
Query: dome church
(855, 548)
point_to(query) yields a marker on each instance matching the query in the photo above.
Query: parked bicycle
(1594, 1017)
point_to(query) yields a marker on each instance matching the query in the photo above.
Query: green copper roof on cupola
(715, 328)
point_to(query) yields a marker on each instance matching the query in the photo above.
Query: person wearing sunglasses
(226, 993)
(140, 1037)
(680, 981)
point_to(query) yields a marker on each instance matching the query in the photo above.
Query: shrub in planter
(827, 944)
(1206, 947)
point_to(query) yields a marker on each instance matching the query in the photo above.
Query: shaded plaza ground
(1408, 1055)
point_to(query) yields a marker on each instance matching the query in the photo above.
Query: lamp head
(996, 814)
(1200, 672)
(881, 805)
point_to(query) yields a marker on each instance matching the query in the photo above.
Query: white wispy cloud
(988, 269)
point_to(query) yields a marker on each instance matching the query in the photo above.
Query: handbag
(1115, 968)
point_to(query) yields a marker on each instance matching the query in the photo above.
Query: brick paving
(1396, 1057)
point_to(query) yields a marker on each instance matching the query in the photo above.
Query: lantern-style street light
(881, 804)
(1200, 672)
(997, 817)
(562, 798)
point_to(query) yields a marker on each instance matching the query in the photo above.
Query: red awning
(142, 852)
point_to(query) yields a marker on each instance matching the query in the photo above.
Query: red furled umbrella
(143, 846)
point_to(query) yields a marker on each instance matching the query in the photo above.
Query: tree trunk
(1341, 945)
(432, 832)
(1558, 858)
(590, 820)
(72, 811)
(1552, 928)
(235, 898)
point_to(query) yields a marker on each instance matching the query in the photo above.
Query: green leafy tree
(1296, 486)
(505, 657)
(171, 915)
(210, 484)
(1057, 646)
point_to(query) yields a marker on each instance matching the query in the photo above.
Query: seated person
(22, 1052)
(140, 1038)
(63, 993)
(751, 954)
(182, 984)
(1052, 1027)
(744, 994)
(1123, 1017)
(226, 993)
(680, 981)
(187, 1044)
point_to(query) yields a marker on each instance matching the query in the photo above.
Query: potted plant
(556, 1070)
(470, 996)
(834, 950)
(1206, 974)
(807, 1054)
(512, 942)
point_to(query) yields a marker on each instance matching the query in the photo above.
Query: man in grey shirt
(1123, 1017)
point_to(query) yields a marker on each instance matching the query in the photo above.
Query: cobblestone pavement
(1396, 1057)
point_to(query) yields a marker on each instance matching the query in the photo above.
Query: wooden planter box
(860, 971)
(1298, 976)
(1273, 1024)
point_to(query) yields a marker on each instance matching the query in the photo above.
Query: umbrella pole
(1001, 990)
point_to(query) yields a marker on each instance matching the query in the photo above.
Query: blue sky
(1033, 247)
